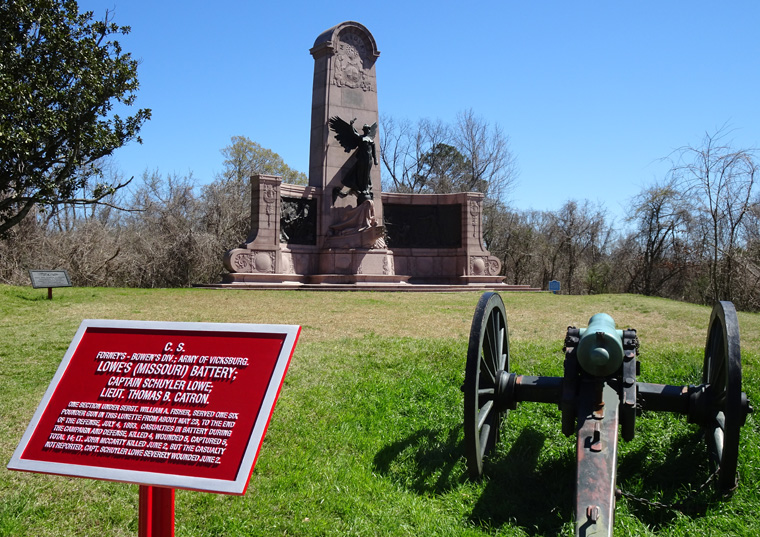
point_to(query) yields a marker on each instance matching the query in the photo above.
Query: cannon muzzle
(600, 349)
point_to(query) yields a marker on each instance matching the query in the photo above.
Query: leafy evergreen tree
(61, 72)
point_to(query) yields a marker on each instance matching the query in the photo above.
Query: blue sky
(592, 94)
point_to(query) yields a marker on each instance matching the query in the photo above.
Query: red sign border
(236, 486)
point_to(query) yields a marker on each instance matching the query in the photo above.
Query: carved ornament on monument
(270, 196)
(351, 53)
(264, 261)
(494, 266)
(252, 261)
(240, 261)
(475, 216)
(484, 266)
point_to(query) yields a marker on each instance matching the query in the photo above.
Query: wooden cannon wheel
(487, 355)
(722, 373)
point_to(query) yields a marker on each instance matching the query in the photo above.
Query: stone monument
(342, 229)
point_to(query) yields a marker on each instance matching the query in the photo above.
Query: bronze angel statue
(357, 181)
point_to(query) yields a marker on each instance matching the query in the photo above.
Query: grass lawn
(366, 438)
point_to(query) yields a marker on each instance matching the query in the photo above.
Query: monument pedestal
(281, 280)
(365, 238)
(356, 265)
(373, 280)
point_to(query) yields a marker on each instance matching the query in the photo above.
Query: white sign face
(49, 278)
(180, 405)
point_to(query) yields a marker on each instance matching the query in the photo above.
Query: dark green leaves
(61, 73)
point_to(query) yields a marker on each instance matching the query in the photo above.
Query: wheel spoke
(494, 333)
(484, 434)
(488, 368)
(498, 333)
(489, 337)
(718, 372)
(502, 354)
(483, 413)
(718, 439)
(720, 419)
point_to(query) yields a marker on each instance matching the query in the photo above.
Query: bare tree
(748, 265)
(431, 156)
(578, 237)
(493, 167)
(404, 149)
(661, 217)
(514, 237)
(720, 180)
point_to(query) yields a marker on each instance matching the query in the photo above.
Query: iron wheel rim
(487, 354)
(723, 374)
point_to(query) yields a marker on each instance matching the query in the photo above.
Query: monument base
(286, 280)
(357, 262)
(334, 266)
(481, 280)
(295, 281)
(372, 285)
(358, 279)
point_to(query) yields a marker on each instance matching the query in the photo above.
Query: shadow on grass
(678, 478)
(424, 461)
(515, 492)
(519, 491)
(32, 298)
(540, 498)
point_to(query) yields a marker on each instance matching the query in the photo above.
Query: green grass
(366, 438)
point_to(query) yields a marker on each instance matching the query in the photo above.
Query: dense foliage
(61, 72)
(164, 231)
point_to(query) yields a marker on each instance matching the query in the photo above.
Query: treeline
(163, 231)
(657, 253)
(160, 236)
(695, 236)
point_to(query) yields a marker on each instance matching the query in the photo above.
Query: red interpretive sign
(179, 405)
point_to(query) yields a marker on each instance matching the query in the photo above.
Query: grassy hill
(366, 438)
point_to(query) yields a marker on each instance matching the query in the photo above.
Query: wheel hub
(504, 396)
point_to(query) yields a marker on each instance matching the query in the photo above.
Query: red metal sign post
(163, 405)
(156, 512)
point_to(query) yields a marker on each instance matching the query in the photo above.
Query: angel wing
(373, 130)
(344, 133)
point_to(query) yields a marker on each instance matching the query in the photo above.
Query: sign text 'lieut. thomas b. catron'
(146, 400)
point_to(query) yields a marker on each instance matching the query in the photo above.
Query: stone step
(400, 287)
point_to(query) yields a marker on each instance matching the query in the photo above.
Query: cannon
(597, 395)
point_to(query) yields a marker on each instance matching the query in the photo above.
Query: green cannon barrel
(600, 349)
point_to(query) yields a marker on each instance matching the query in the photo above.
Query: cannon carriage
(599, 395)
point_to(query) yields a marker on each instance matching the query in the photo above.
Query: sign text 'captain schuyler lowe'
(181, 405)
